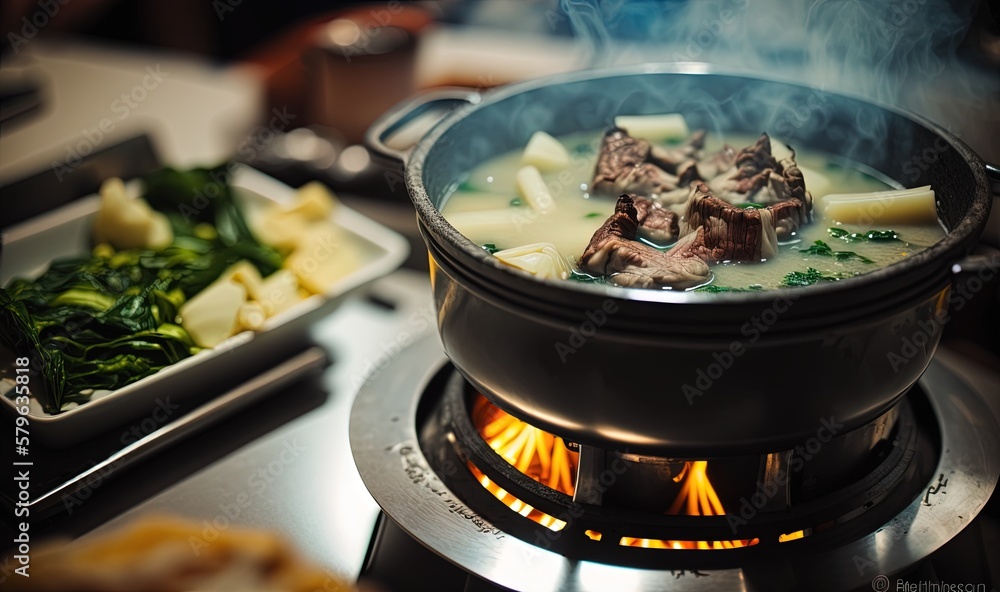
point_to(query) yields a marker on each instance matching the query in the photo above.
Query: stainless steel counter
(286, 463)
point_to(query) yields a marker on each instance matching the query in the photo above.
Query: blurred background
(93, 88)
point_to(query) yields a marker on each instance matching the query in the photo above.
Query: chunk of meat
(656, 224)
(788, 216)
(728, 233)
(756, 176)
(623, 165)
(613, 251)
(672, 158)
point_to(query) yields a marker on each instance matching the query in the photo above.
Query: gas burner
(526, 509)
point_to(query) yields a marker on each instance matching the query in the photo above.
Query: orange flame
(546, 459)
(697, 497)
(539, 455)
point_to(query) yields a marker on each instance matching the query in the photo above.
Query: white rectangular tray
(29, 247)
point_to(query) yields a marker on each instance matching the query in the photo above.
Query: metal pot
(681, 373)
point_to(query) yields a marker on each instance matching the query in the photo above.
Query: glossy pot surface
(681, 373)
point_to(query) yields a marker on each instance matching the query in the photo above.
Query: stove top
(321, 504)
(421, 491)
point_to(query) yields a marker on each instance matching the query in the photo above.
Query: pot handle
(431, 105)
(993, 172)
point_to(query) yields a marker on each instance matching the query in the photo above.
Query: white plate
(29, 247)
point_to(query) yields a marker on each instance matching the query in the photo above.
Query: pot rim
(956, 243)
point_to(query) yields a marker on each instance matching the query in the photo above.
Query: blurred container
(362, 63)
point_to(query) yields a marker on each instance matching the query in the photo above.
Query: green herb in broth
(811, 276)
(593, 215)
(516, 202)
(716, 289)
(857, 237)
(822, 249)
(882, 235)
(579, 276)
(490, 248)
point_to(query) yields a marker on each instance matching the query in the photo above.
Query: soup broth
(488, 210)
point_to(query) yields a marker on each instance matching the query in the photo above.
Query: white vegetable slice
(279, 229)
(251, 316)
(127, 223)
(278, 292)
(314, 201)
(906, 206)
(546, 153)
(245, 273)
(324, 255)
(655, 128)
(533, 189)
(541, 259)
(211, 315)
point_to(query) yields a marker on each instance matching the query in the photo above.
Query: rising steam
(899, 52)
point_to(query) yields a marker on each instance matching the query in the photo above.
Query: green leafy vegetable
(109, 319)
(822, 249)
(592, 215)
(490, 248)
(716, 289)
(516, 202)
(882, 235)
(811, 276)
(579, 276)
(871, 235)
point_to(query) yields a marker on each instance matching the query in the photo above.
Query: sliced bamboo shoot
(251, 316)
(211, 315)
(278, 292)
(127, 223)
(541, 259)
(906, 206)
(243, 272)
(533, 189)
(655, 128)
(546, 153)
(324, 255)
(314, 201)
